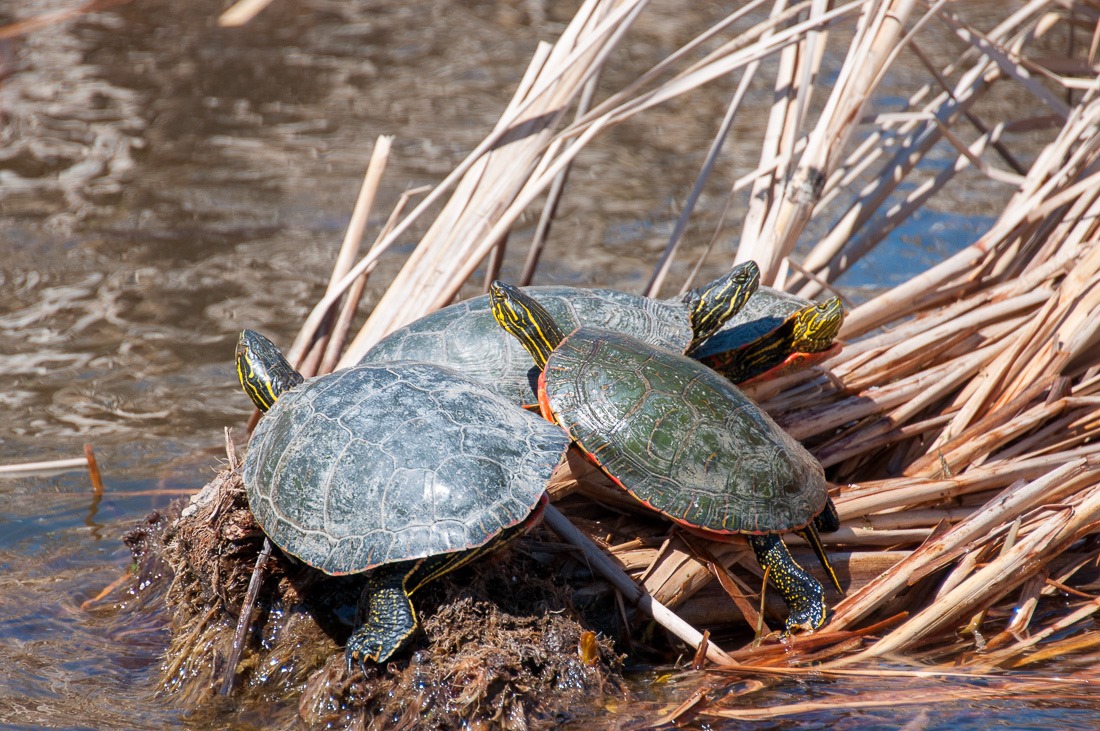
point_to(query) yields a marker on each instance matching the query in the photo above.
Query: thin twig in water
(244, 622)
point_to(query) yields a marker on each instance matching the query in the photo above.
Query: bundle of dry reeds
(959, 420)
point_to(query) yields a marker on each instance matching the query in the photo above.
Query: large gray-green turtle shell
(680, 437)
(465, 336)
(376, 464)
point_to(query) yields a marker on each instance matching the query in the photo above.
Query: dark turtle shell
(765, 311)
(465, 336)
(377, 464)
(680, 437)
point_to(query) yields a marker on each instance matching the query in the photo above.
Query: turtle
(464, 336)
(773, 334)
(681, 439)
(402, 471)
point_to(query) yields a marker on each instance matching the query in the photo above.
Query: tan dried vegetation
(959, 421)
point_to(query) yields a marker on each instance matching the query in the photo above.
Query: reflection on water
(164, 183)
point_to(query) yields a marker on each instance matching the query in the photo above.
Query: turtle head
(816, 326)
(527, 320)
(712, 305)
(263, 371)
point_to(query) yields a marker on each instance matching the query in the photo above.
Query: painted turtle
(680, 438)
(465, 337)
(405, 470)
(774, 333)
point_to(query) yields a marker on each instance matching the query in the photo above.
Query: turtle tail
(810, 535)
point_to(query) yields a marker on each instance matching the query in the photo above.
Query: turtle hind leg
(802, 593)
(391, 619)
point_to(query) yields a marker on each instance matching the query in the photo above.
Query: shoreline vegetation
(957, 423)
(957, 426)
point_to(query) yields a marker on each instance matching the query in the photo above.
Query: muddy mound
(500, 641)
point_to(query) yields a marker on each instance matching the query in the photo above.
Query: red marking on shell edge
(712, 534)
(794, 362)
(535, 517)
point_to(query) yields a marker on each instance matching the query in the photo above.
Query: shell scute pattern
(465, 336)
(378, 464)
(680, 437)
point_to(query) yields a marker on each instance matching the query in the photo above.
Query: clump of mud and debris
(500, 643)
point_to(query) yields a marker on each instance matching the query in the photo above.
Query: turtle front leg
(803, 594)
(391, 619)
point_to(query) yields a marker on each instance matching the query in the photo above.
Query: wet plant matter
(500, 643)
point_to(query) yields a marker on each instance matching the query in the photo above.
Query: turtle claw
(805, 623)
(353, 658)
(368, 645)
(349, 661)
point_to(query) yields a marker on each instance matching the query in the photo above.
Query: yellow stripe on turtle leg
(391, 618)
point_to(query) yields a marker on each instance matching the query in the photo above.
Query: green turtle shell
(765, 311)
(680, 437)
(377, 464)
(465, 336)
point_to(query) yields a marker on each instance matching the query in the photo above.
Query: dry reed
(960, 421)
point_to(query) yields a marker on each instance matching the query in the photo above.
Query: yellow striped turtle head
(527, 320)
(262, 370)
(712, 305)
(816, 326)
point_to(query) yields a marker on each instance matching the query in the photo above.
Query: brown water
(164, 183)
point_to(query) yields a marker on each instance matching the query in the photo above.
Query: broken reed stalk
(661, 269)
(244, 621)
(93, 470)
(241, 12)
(498, 171)
(996, 688)
(601, 563)
(511, 176)
(26, 468)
